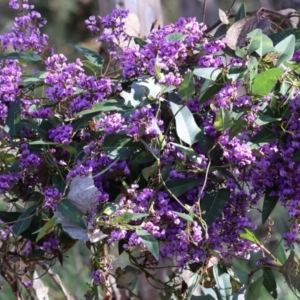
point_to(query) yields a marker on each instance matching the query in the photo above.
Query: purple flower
(62, 134)
(52, 197)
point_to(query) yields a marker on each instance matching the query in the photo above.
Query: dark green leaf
(46, 229)
(268, 206)
(186, 127)
(236, 73)
(68, 148)
(223, 283)
(24, 220)
(264, 82)
(213, 202)
(35, 128)
(69, 211)
(282, 34)
(206, 297)
(269, 282)
(139, 41)
(36, 254)
(92, 56)
(241, 14)
(296, 156)
(176, 36)
(207, 73)
(180, 186)
(286, 49)
(58, 182)
(263, 136)
(187, 87)
(259, 43)
(249, 236)
(237, 127)
(190, 153)
(223, 120)
(106, 106)
(211, 91)
(21, 56)
(13, 117)
(253, 291)
(263, 119)
(120, 146)
(149, 241)
(9, 216)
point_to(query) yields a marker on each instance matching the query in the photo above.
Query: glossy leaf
(24, 220)
(223, 120)
(264, 82)
(46, 229)
(193, 281)
(149, 241)
(263, 119)
(207, 73)
(253, 291)
(223, 283)
(268, 206)
(241, 13)
(186, 127)
(105, 106)
(70, 212)
(176, 36)
(119, 146)
(269, 282)
(262, 137)
(213, 202)
(259, 43)
(180, 186)
(211, 91)
(249, 236)
(9, 216)
(187, 87)
(92, 56)
(286, 49)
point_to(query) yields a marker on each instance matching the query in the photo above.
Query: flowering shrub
(166, 158)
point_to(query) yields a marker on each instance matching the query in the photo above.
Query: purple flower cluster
(28, 159)
(62, 134)
(52, 196)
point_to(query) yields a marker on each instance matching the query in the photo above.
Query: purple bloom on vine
(62, 134)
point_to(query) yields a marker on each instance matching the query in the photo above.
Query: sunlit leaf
(249, 236)
(149, 241)
(46, 229)
(223, 120)
(286, 49)
(187, 87)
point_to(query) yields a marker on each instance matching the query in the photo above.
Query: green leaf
(58, 182)
(241, 14)
(286, 49)
(193, 282)
(282, 34)
(184, 216)
(36, 254)
(190, 153)
(213, 202)
(264, 136)
(253, 291)
(186, 127)
(127, 217)
(223, 283)
(237, 127)
(35, 127)
(120, 146)
(46, 229)
(211, 91)
(206, 297)
(7, 158)
(236, 73)
(269, 282)
(24, 220)
(176, 36)
(180, 186)
(241, 52)
(268, 206)
(259, 43)
(69, 211)
(147, 172)
(13, 117)
(92, 56)
(70, 149)
(106, 106)
(264, 82)
(187, 87)
(139, 41)
(223, 120)
(149, 241)
(249, 236)
(96, 69)
(21, 56)
(208, 73)
(9, 216)
(265, 119)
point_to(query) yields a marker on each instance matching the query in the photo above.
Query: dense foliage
(163, 148)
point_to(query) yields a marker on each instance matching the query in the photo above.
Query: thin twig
(204, 11)
(57, 280)
(230, 9)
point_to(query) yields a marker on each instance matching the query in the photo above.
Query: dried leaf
(223, 17)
